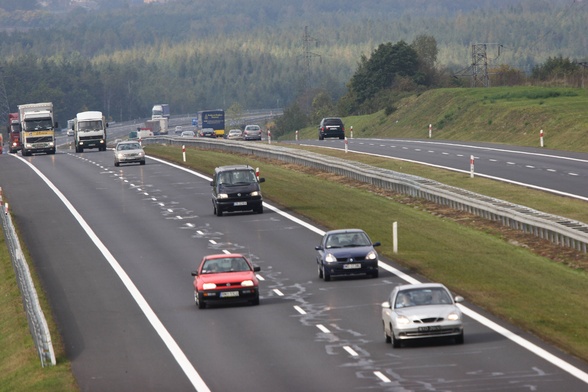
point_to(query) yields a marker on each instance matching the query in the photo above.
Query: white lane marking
(299, 309)
(213, 242)
(278, 292)
(573, 174)
(323, 328)
(351, 351)
(259, 277)
(381, 376)
(163, 333)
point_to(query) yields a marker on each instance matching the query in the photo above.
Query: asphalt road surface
(114, 248)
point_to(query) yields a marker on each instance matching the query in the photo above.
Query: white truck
(160, 110)
(89, 131)
(159, 126)
(37, 128)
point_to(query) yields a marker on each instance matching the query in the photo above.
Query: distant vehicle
(331, 127)
(70, 132)
(37, 128)
(252, 132)
(207, 132)
(214, 119)
(225, 278)
(14, 133)
(129, 152)
(236, 188)
(178, 130)
(235, 134)
(89, 131)
(188, 134)
(424, 310)
(346, 252)
(160, 110)
(157, 125)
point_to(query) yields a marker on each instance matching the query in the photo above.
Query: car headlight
(453, 316)
(209, 286)
(255, 193)
(222, 196)
(120, 155)
(141, 154)
(402, 320)
(330, 258)
(247, 283)
(372, 255)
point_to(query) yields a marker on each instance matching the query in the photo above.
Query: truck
(159, 126)
(89, 131)
(214, 119)
(160, 110)
(13, 129)
(37, 128)
(140, 134)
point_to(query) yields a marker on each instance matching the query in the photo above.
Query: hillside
(510, 115)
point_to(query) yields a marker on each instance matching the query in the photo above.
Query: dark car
(236, 188)
(223, 278)
(346, 252)
(331, 127)
(207, 132)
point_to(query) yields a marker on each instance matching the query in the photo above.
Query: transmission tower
(478, 70)
(4, 108)
(308, 55)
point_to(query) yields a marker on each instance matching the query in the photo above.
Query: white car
(235, 134)
(70, 132)
(424, 310)
(188, 134)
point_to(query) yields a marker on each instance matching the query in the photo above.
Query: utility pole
(308, 55)
(4, 107)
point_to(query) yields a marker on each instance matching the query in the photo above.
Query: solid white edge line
(163, 333)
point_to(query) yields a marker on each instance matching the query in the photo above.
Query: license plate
(226, 294)
(351, 266)
(427, 329)
(240, 203)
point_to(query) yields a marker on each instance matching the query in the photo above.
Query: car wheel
(116, 164)
(142, 162)
(459, 338)
(218, 211)
(199, 302)
(395, 342)
(255, 301)
(321, 137)
(260, 210)
(326, 275)
(386, 336)
(375, 274)
(320, 271)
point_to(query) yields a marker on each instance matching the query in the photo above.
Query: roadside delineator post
(269, 136)
(471, 166)
(395, 237)
(346, 144)
(184, 152)
(257, 173)
(430, 130)
(296, 135)
(541, 137)
(351, 132)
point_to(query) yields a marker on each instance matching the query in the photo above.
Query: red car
(225, 278)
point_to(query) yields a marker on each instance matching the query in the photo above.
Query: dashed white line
(351, 351)
(299, 309)
(381, 376)
(278, 292)
(323, 328)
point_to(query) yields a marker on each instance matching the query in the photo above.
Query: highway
(114, 248)
(560, 172)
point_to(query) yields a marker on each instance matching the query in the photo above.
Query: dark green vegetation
(512, 282)
(124, 57)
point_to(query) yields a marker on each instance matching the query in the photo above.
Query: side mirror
(386, 305)
(458, 299)
(256, 268)
(261, 179)
(376, 243)
(318, 247)
(194, 273)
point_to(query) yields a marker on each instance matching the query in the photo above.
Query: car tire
(386, 336)
(375, 274)
(198, 300)
(395, 342)
(320, 271)
(255, 301)
(321, 137)
(326, 276)
(142, 162)
(218, 211)
(116, 164)
(259, 210)
(459, 338)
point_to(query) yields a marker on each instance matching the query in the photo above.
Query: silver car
(129, 152)
(424, 310)
(252, 132)
(235, 134)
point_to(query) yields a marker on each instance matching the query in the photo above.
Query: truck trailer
(90, 131)
(13, 129)
(160, 110)
(159, 126)
(37, 128)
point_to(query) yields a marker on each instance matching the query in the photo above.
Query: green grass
(530, 291)
(20, 365)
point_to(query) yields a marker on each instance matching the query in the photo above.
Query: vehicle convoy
(214, 119)
(159, 126)
(423, 310)
(236, 188)
(346, 252)
(331, 127)
(160, 110)
(89, 131)
(223, 278)
(37, 128)
(14, 133)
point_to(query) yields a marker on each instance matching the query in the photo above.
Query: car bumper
(130, 160)
(339, 134)
(239, 205)
(229, 296)
(357, 268)
(428, 331)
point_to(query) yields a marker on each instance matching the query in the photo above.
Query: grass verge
(533, 292)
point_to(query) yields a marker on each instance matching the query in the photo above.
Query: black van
(236, 188)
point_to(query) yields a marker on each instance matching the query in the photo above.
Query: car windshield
(344, 240)
(128, 146)
(237, 177)
(418, 297)
(228, 264)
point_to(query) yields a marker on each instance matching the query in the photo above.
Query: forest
(121, 57)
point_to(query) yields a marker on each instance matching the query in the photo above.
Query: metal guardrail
(36, 318)
(557, 229)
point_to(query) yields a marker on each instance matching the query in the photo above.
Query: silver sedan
(424, 310)
(129, 152)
